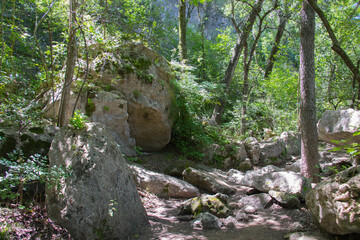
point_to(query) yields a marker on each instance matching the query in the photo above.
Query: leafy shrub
(20, 172)
(78, 120)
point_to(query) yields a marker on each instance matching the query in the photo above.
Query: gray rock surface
(206, 221)
(339, 125)
(235, 176)
(230, 222)
(207, 181)
(335, 202)
(258, 201)
(269, 178)
(97, 196)
(307, 236)
(132, 95)
(285, 199)
(162, 185)
(292, 142)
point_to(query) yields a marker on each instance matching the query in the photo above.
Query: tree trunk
(309, 136)
(229, 73)
(2, 35)
(202, 19)
(283, 18)
(245, 90)
(70, 66)
(336, 47)
(182, 31)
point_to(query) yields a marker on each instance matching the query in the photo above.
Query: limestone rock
(267, 178)
(235, 176)
(272, 150)
(206, 221)
(34, 140)
(209, 182)
(206, 203)
(97, 196)
(230, 222)
(242, 217)
(284, 199)
(240, 152)
(253, 150)
(335, 202)
(257, 201)
(294, 167)
(130, 93)
(306, 236)
(162, 185)
(292, 142)
(339, 125)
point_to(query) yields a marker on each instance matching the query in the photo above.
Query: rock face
(268, 178)
(130, 93)
(206, 181)
(162, 185)
(335, 203)
(339, 125)
(35, 140)
(97, 197)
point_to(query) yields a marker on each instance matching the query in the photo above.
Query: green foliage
(353, 148)
(89, 107)
(78, 120)
(21, 171)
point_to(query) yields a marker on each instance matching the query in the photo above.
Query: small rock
(230, 222)
(206, 221)
(249, 209)
(242, 217)
(235, 176)
(306, 236)
(296, 227)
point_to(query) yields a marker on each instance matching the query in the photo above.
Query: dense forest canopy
(240, 55)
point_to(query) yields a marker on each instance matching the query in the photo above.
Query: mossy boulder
(214, 204)
(129, 90)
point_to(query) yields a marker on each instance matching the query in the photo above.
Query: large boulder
(129, 90)
(162, 185)
(214, 204)
(292, 142)
(96, 197)
(335, 202)
(207, 181)
(270, 178)
(338, 125)
(258, 201)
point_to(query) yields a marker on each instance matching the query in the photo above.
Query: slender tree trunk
(245, 89)
(283, 18)
(336, 47)
(358, 67)
(182, 30)
(201, 19)
(229, 73)
(309, 137)
(70, 66)
(2, 34)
